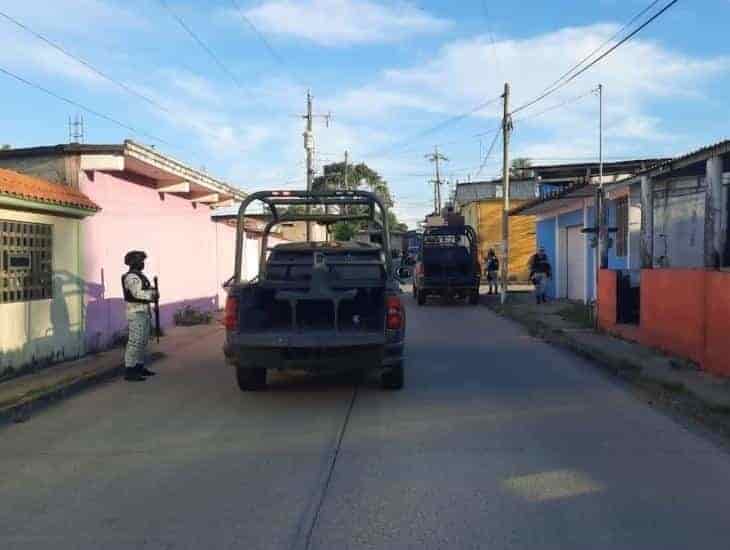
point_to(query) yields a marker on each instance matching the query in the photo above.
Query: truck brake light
(230, 319)
(394, 318)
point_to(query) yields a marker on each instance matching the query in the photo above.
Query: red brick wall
(717, 333)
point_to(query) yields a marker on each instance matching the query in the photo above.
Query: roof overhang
(562, 201)
(559, 172)
(678, 165)
(168, 174)
(14, 203)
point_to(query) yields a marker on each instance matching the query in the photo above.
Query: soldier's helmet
(134, 257)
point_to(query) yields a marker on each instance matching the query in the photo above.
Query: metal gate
(628, 296)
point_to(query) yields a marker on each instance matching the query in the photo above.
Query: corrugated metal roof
(485, 190)
(720, 147)
(30, 188)
(580, 190)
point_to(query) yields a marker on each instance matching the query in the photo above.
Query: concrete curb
(22, 410)
(635, 370)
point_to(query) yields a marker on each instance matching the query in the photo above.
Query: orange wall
(673, 310)
(607, 306)
(717, 335)
(685, 312)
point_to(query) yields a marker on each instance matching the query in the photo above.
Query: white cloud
(344, 22)
(463, 74)
(22, 54)
(633, 76)
(376, 101)
(194, 86)
(637, 78)
(79, 17)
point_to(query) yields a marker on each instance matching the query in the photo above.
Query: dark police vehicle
(448, 264)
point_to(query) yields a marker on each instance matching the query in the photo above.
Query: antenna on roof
(76, 129)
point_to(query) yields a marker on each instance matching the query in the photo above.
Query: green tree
(359, 176)
(520, 168)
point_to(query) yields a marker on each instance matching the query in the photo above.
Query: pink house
(148, 201)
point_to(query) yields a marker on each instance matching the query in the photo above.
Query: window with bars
(622, 224)
(26, 271)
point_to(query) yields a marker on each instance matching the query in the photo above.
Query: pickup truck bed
(319, 307)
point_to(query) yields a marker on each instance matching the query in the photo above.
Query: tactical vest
(541, 264)
(145, 286)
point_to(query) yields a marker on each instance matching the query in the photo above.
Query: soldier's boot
(145, 371)
(133, 375)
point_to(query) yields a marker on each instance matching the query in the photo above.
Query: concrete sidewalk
(569, 325)
(22, 396)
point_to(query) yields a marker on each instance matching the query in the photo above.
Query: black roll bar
(273, 198)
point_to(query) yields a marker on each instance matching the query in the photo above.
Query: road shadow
(303, 381)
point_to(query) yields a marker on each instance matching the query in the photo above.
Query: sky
(229, 99)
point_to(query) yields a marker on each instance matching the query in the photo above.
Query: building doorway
(575, 264)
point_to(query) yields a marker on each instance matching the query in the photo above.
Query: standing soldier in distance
(492, 268)
(540, 272)
(138, 294)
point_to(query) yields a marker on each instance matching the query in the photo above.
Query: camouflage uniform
(139, 319)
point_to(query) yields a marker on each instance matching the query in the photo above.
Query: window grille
(622, 224)
(26, 261)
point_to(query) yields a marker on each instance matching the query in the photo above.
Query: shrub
(188, 316)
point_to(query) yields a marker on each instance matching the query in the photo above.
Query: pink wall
(191, 255)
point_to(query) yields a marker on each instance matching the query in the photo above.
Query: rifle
(157, 309)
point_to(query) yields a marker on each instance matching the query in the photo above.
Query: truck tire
(393, 378)
(474, 298)
(250, 379)
(421, 297)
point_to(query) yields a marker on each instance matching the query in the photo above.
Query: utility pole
(506, 129)
(603, 221)
(347, 160)
(309, 148)
(436, 157)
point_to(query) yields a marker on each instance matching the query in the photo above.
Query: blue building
(563, 214)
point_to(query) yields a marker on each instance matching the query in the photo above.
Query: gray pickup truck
(317, 306)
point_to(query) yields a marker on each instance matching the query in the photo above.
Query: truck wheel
(474, 298)
(250, 379)
(421, 297)
(393, 379)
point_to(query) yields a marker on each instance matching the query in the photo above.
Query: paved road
(497, 441)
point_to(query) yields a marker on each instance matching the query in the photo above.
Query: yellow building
(481, 204)
(41, 284)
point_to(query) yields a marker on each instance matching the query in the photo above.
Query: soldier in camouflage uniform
(138, 294)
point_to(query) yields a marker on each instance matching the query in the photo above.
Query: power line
(85, 63)
(157, 105)
(489, 152)
(597, 60)
(269, 47)
(558, 106)
(204, 46)
(604, 44)
(85, 108)
(435, 128)
(489, 132)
